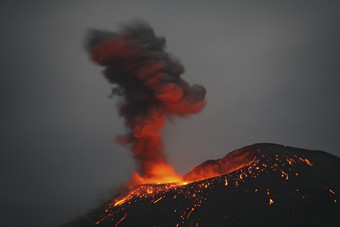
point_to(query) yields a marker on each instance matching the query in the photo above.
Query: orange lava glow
(196, 190)
(166, 177)
(121, 220)
(159, 174)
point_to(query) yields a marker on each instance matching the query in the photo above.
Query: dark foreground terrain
(258, 185)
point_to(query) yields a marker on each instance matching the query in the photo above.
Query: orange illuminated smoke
(149, 81)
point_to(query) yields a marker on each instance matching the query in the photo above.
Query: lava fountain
(149, 81)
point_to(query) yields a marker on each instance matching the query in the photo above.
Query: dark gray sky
(271, 70)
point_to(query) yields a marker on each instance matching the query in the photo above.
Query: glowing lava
(247, 162)
(287, 183)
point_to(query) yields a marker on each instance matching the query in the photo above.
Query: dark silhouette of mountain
(258, 185)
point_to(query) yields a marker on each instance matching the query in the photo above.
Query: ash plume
(149, 81)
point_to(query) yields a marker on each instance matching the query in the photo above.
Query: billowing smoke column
(149, 81)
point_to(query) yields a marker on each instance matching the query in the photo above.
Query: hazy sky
(271, 70)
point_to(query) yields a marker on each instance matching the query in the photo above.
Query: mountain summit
(258, 185)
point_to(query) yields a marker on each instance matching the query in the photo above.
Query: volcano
(258, 185)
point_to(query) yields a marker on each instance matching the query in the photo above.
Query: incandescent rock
(258, 185)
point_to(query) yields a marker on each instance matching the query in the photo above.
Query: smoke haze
(149, 80)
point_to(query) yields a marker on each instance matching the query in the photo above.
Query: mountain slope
(261, 184)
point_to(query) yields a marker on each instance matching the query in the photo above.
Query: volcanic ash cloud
(149, 81)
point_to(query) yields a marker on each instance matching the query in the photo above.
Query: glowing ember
(121, 220)
(284, 175)
(306, 161)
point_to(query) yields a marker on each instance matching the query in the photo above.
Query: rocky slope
(258, 185)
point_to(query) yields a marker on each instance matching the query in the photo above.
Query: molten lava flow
(252, 163)
(149, 81)
(231, 162)
(245, 163)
